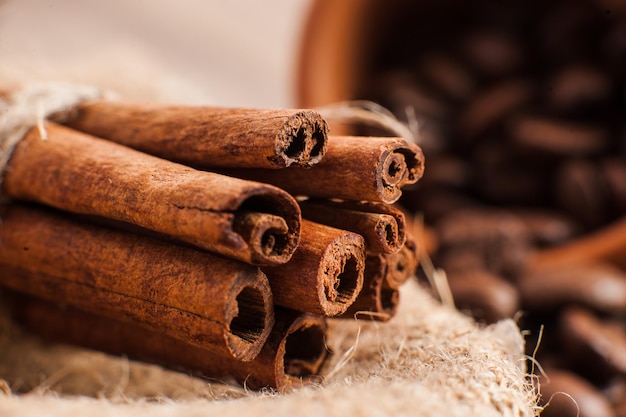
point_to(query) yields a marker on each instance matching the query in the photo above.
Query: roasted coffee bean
(565, 394)
(613, 170)
(447, 75)
(577, 87)
(493, 105)
(501, 238)
(599, 286)
(485, 295)
(615, 392)
(581, 191)
(596, 348)
(460, 259)
(547, 228)
(492, 52)
(557, 136)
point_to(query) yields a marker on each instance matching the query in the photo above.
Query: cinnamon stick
(382, 226)
(354, 168)
(249, 221)
(376, 301)
(402, 264)
(209, 136)
(191, 295)
(325, 274)
(292, 356)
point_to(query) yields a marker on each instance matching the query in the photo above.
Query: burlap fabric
(429, 360)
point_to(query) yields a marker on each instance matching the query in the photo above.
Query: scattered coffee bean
(521, 110)
(558, 137)
(487, 296)
(595, 348)
(599, 286)
(564, 394)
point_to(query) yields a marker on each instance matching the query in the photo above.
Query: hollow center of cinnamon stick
(297, 144)
(391, 235)
(341, 288)
(249, 323)
(395, 169)
(266, 230)
(319, 143)
(304, 350)
(302, 140)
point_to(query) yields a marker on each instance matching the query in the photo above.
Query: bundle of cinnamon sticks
(213, 240)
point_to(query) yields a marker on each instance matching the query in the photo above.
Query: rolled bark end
(302, 141)
(402, 264)
(402, 165)
(264, 232)
(390, 235)
(302, 351)
(251, 321)
(394, 169)
(341, 272)
(270, 225)
(376, 301)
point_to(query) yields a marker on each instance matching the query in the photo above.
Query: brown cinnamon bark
(354, 168)
(376, 301)
(249, 221)
(292, 356)
(325, 273)
(402, 264)
(382, 226)
(192, 295)
(209, 136)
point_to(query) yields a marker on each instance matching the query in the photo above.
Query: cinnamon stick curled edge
(402, 264)
(354, 168)
(381, 225)
(207, 300)
(209, 136)
(325, 274)
(376, 301)
(72, 171)
(293, 355)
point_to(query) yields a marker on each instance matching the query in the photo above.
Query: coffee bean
(558, 137)
(599, 286)
(501, 238)
(492, 52)
(615, 392)
(447, 75)
(546, 227)
(493, 105)
(565, 394)
(487, 296)
(613, 170)
(595, 347)
(580, 190)
(577, 86)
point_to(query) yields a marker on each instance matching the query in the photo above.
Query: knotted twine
(27, 106)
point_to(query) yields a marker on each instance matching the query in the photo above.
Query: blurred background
(236, 53)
